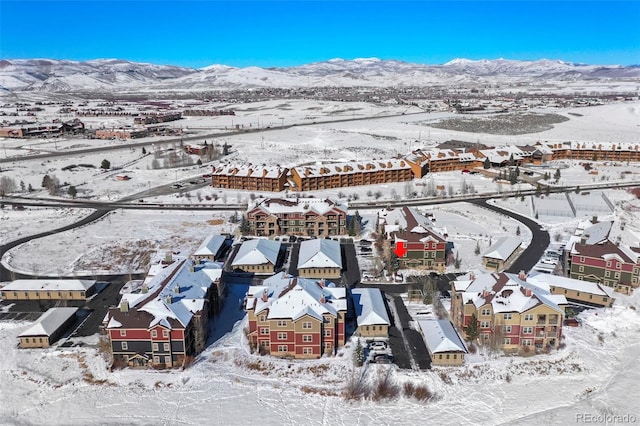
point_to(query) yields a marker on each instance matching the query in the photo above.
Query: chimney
(472, 276)
(322, 283)
(176, 289)
(583, 239)
(124, 306)
(485, 294)
(522, 276)
(527, 292)
(145, 289)
(192, 267)
(168, 257)
(265, 296)
(323, 299)
(168, 299)
(594, 219)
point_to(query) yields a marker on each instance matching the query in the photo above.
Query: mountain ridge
(53, 75)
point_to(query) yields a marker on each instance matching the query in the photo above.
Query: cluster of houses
(448, 156)
(298, 306)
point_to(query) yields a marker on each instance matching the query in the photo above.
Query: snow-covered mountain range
(114, 75)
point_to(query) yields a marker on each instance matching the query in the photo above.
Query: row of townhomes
(165, 322)
(296, 317)
(314, 217)
(426, 247)
(448, 156)
(598, 255)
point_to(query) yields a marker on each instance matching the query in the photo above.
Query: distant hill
(47, 75)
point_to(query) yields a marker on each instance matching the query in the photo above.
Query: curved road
(5, 274)
(539, 243)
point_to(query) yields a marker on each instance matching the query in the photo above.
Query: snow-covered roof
(440, 336)
(257, 252)
(289, 297)
(369, 306)
(250, 170)
(278, 206)
(506, 293)
(320, 253)
(351, 167)
(210, 246)
(503, 248)
(172, 296)
(49, 322)
(49, 285)
(545, 281)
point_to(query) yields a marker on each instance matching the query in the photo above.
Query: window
(156, 360)
(264, 331)
(307, 351)
(507, 329)
(526, 342)
(125, 358)
(507, 316)
(327, 332)
(507, 341)
(580, 268)
(154, 347)
(440, 356)
(165, 333)
(448, 356)
(123, 333)
(263, 318)
(607, 274)
(327, 345)
(40, 339)
(282, 323)
(282, 348)
(125, 346)
(605, 299)
(154, 333)
(486, 312)
(608, 264)
(527, 330)
(264, 343)
(581, 258)
(166, 347)
(282, 336)
(455, 356)
(485, 324)
(306, 325)
(617, 275)
(307, 338)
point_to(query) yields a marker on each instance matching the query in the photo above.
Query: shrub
(472, 348)
(422, 393)
(409, 389)
(356, 389)
(385, 388)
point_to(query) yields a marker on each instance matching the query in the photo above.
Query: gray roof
(503, 248)
(440, 336)
(320, 253)
(369, 306)
(49, 285)
(49, 322)
(257, 252)
(210, 246)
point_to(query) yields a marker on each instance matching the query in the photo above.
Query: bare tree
(7, 185)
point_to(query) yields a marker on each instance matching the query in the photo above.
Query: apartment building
(250, 177)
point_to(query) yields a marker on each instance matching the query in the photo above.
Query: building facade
(250, 177)
(296, 317)
(320, 258)
(511, 314)
(314, 217)
(48, 289)
(371, 313)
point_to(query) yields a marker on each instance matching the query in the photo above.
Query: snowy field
(595, 374)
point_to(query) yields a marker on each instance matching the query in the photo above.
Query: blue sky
(287, 33)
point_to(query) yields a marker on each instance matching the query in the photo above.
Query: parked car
(378, 345)
(382, 359)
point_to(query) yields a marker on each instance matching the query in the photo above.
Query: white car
(378, 345)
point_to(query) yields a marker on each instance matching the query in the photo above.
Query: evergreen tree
(358, 354)
(487, 163)
(72, 191)
(477, 249)
(46, 181)
(556, 175)
(22, 186)
(106, 165)
(471, 330)
(245, 226)
(512, 162)
(144, 151)
(30, 188)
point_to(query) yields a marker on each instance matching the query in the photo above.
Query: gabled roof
(257, 252)
(503, 248)
(170, 299)
(210, 246)
(602, 251)
(49, 285)
(319, 206)
(320, 253)
(506, 293)
(546, 281)
(49, 322)
(287, 297)
(440, 336)
(417, 228)
(369, 306)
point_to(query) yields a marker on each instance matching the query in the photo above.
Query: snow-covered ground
(594, 373)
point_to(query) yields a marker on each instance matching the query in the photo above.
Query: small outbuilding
(212, 248)
(371, 312)
(257, 256)
(501, 253)
(320, 258)
(48, 329)
(48, 289)
(443, 342)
